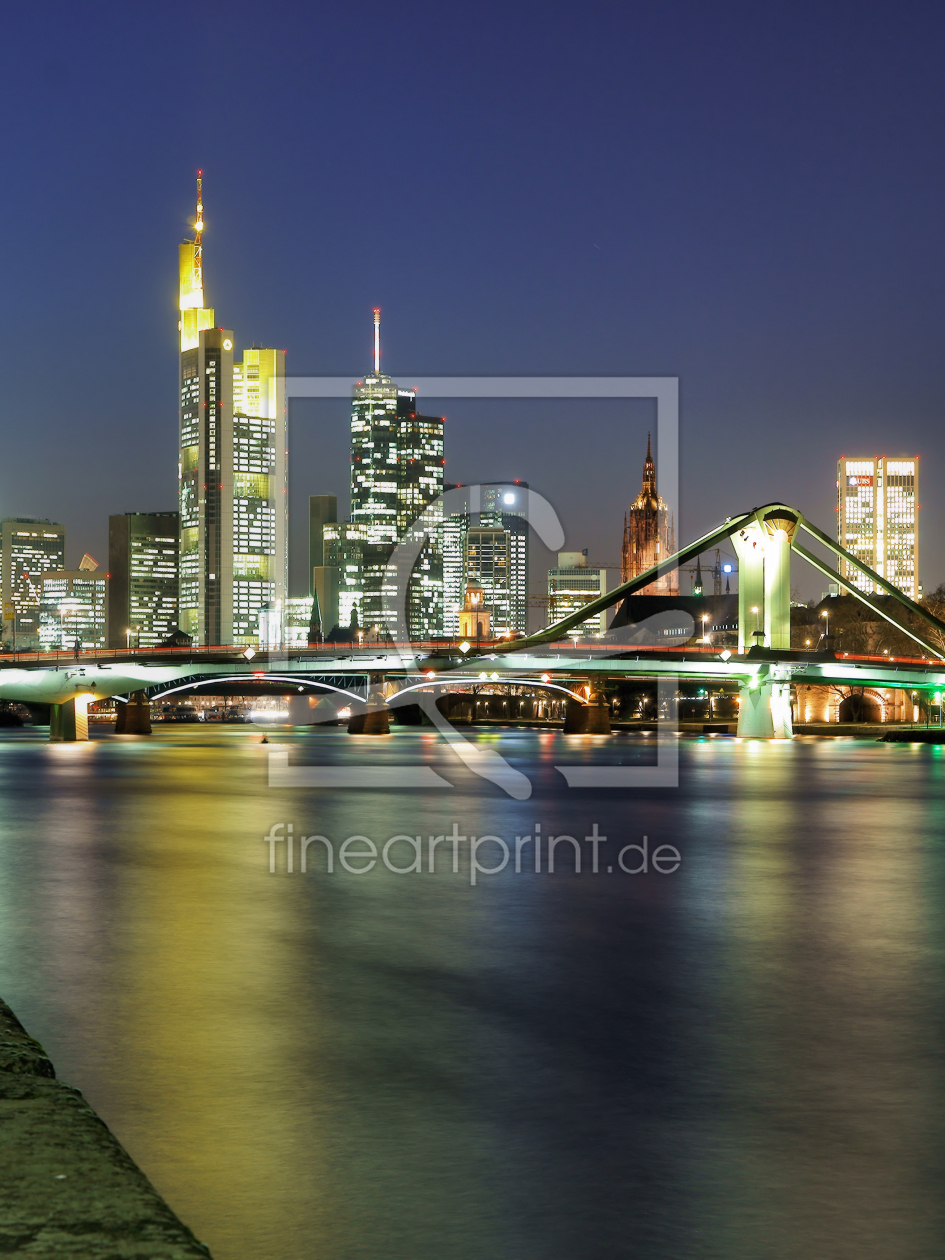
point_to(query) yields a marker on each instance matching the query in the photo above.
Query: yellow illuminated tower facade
(232, 474)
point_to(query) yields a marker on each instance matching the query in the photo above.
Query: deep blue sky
(748, 196)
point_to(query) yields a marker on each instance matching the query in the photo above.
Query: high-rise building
(232, 471)
(143, 554)
(473, 550)
(28, 549)
(572, 585)
(878, 520)
(73, 610)
(339, 583)
(396, 472)
(649, 535)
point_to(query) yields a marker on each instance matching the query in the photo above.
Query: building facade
(232, 472)
(397, 458)
(73, 610)
(143, 556)
(28, 549)
(475, 615)
(339, 583)
(878, 520)
(489, 547)
(649, 534)
(572, 585)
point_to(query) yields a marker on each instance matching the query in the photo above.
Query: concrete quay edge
(68, 1188)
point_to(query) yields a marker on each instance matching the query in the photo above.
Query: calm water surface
(740, 1060)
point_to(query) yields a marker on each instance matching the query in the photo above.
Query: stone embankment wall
(67, 1186)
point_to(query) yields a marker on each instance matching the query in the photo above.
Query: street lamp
(826, 616)
(705, 637)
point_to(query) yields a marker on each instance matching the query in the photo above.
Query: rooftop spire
(649, 470)
(194, 317)
(198, 235)
(377, 340)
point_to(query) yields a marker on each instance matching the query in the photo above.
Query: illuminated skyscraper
(339, 583)
(648, 535)
(143, 577)
(28, 548)
(489, 547)
(396, 471)
(878, 520)
(233, 472)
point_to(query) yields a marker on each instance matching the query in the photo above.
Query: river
(740, 1057)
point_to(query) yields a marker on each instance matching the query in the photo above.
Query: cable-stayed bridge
(374, 679)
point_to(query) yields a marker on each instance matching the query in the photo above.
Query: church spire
(649, 472)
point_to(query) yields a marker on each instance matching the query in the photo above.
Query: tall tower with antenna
(232, 473)
(396, 471)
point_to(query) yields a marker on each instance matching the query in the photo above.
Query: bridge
(372, 679)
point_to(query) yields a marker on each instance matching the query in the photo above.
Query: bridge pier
(765, 712)
(69, 722)
(375, 720)
(592, 718)
(750, 549)
(137, 715)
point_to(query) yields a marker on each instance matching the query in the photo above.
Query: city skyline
(688, 259)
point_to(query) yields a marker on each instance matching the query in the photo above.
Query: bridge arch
(446, 683)
(213, 679)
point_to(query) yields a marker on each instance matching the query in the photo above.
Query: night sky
(747, 196)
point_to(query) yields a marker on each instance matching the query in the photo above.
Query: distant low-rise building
(73, 610)
(572, 585)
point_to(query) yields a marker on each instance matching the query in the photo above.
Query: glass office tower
(878, 520)
(396, 472)
(143, 555)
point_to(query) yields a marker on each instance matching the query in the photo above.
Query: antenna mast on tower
(377, 340)
(198, 233)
